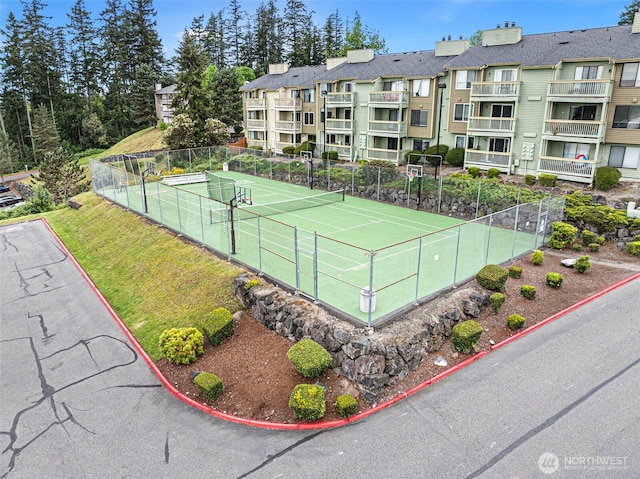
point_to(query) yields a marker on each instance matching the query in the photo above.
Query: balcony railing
(256, 125)
(388, 99)
(488, 159)
(261, 143)
(490, 124)
(279, 145)
(572, 90)
(339, 125)
(393, 129)
(287, 104)
(568, 169)
(394, 156)
(343, 151)
(256, 103)
(337, 100)
(498, 90)
(574, 128)
(289, 126)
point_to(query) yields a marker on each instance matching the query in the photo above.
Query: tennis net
(287, 206)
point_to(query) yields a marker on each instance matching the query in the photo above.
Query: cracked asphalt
(77, 401)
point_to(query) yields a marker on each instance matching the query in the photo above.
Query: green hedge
(466, 336)
(633, 248)
(528, 291)
(582, 264)
(515, 321)
(607, 177)
(554, 279)
(497, 300)
(455, 157)
(209, 385)
(563, 234)
(548, 180)
(346, 405)
(309, 358)
(515, 272)
(307, 402)
(537, 257)
(493, 277)
(181, 345)
(217, 326)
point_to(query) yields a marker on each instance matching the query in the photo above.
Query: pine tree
(214, 40)
(268, 48)
(627, 16)
(296, 22)
(45, 134)
(143, 98)
(228, 100)
(9, 160)
(62, 176)
(359, 37)
(93, 133)
(83, 53)
(332, 35)
(144, 43)
(234, 28)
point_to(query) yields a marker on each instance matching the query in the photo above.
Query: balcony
(589, 91)
(340, 100)
(344, 151)
(388, 99)
(393, 156)
(260, 143)
(490, 125)
(256, 103)
(394, 129)
(337, 125)
(572, 129)
(288, 104)
(495, 91)
(488, 159)
(568, 169)
(288, 126)
(256, 125)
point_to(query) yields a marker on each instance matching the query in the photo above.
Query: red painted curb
(327, 424)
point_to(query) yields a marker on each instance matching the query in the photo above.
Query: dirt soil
(258, 378)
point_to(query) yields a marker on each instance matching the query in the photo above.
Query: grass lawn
(153, 280)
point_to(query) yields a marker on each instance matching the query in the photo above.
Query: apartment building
(163, 98)
(562, 103)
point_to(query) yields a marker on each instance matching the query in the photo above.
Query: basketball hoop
(411, 177)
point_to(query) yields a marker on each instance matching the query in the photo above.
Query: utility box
(367, 300)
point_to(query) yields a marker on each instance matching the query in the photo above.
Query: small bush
(554, 280)
(255, 147)
(181, 345)
(601, 240)
(515, 272)
(289, 150)
(563, 235)
(346, 405)
(305, 146)
(582, 264)
(594, 247)
(209, 385)
(576, 247)
(588, 237)
(515, 321)
(217, 326)
(455, 157)
(548, 180)
(307, 402)
(331, 155)
(537, 257)
(441, 150)
(529, 180)
(497, 300)
(607, 177)
(493, 173)
(493, 277)
(309, 358)
(474, 171)
(528, 291)
(633, 248)
(412, 157)
(251, 283)
(162, 126)
(466, 336)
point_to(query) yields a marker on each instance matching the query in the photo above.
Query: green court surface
(337, 252)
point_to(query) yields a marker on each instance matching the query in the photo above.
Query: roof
(300, 77)
(548, 49)
(167, 89)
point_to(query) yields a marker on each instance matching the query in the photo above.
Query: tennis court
(334, 248)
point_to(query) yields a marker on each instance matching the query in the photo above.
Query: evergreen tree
(359, 37)
(9, 160)
(627, 16)
(228, 100)
(268, 47)
(62, 176)
(296, 22)
(93, 133)
(181, 133)
(332, 35)
(143, 97)
(144, 41)
(234, 28)
(45, 134)
(83, 53)
(214, 40)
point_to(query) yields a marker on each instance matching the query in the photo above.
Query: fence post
(478, 199)
(178, 208)
(159, 202)
(415, 297)
(486, 256)
(515, 227)
(378, 193)
(297, 257)
(315, 266)
(371, 291)
(201, 218)
(455, 264)
(259, 249)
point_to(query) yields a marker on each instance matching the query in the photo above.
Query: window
(573, 150)
(392, 144)
(501, 111)
(348, 87)
(328, 87)
(588, 73)
(630, 74)
(460, 141)
(464, 78)
(254, 135)
(251, 115)
(499, 144)
(624, 156)
(295, 93)
(419, 117)
(331, 139)
(421, 87)
(420, 145)
(461, 111)
(627, 117)
(509, 74)
(309, 118)
(347, 140)
(393, 85)
(309, 96)
(583, 112)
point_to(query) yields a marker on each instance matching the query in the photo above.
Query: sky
(405, 25)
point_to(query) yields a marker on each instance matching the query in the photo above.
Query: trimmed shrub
(474, 171)
(433, 150)
(289, 150)
(537, 257)
(576, 247)
(181, 345)
(582, 264)
(528, 291)
(554, 280)
(251, 283)
(497, 300)
(548, 180)
(346, 405)
(217, 326)
(529, 180)
(493, 277)
(209, 385)
(493, 173)
(515, 272)
(606, 177)
(305, 146)
(588, 237)
(633, 248)
(331, 155)
(412, 157)
(515, 321)
(455, 157)
(601, 240)
(594, 247)
(563, 235)
(466, 335)
(309, 358)
(307, 402)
